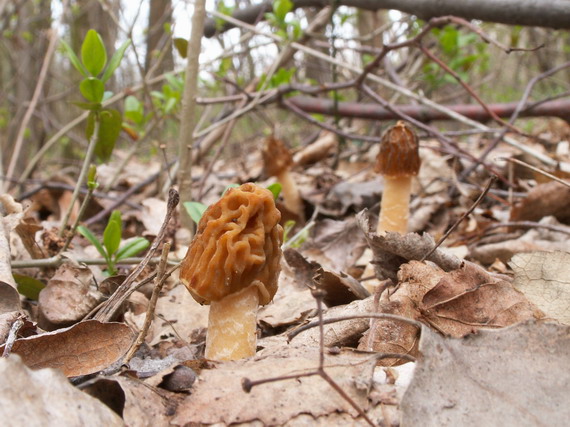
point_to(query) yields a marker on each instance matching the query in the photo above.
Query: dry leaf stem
(465, 215)
(159, 281)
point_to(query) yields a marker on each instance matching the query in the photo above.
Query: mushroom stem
(394, 207)
(232, 325)
(291, 196)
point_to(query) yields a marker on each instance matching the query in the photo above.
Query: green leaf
(181, 46)
(112, 237)
(92, 178)
(134, 110)
(195, 210)
(28, 286)
(281, 8)
(275, 188)
(92, 89)
(84, 231)
(110, 125)
(132, 248)
(93, 53)
(74, 59)
(89, 106)
(115, 61)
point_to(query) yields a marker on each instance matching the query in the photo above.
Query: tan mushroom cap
(399, 152)
(237, 244)
(276, 156)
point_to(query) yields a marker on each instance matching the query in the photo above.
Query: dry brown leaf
(543, 200)
(393, 249)
(336, 245)
(341, 334)
(354, 196)
(9, 298)
(152, 215)
(67, 298)
(82, 349)
(46, 398)
(140, 405)
(218, 396)
(544, 277)
(536, 239)
(513, 376)
(455, 303)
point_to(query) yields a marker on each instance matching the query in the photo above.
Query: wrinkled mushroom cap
(276, 156)
(399, 152)
(237, 244)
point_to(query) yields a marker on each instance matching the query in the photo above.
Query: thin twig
(159, 281)
(529, 224)
(465, 215)
(535, 169)
(13, 335)
(387, 316)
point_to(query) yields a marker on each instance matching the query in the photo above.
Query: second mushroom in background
(398, 161)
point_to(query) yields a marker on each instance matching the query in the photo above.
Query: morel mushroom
(398, 161)
(233, 264)
(278, 161)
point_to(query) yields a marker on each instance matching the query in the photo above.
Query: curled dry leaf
(218, 397)
(513, 376)
(543, 200)
(82, 349)
(45, 397)
(544, 277)
(393, 249)
(455, 303)
(67, 298)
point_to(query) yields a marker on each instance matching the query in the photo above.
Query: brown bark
(157, 39)
(556, 108)
(551, 14)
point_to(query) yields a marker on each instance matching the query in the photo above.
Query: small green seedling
(110, 248)
(96, 71)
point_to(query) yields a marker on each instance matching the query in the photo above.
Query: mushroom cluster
(233, 264)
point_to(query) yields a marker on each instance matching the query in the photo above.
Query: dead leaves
(82, 349)
(503, 377)
(45, 397)
(455, 303)
(218, 396)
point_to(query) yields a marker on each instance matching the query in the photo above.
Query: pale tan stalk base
(395, 205)
(232, 326)
(291, 195)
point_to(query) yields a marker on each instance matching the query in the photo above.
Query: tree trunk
(157, 38)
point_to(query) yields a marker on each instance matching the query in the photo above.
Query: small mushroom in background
(398, 161)
(278, 162)
(233, 264)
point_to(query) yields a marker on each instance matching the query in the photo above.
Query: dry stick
(529, 224)
(13, 335)
(113, 304)
(35, 97)
(188, 115)
(82, 209)
(384, 316)
(465, 215)
(533, 168)
(99, 216)
(468, 88)
(57, 260)
(82, 175)
(159, 281)
(520, 107)
(247, 384)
